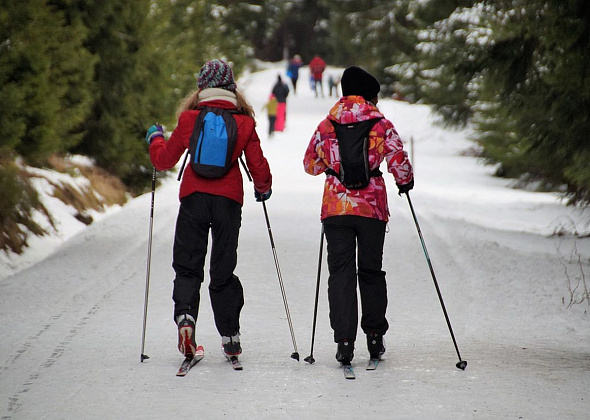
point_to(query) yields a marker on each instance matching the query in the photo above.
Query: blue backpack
(212, 143)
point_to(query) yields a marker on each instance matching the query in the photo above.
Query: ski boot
(231, 345)
(186, 335)
(375, 345)
(345, 351)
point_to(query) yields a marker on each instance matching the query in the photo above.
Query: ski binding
(234, 361)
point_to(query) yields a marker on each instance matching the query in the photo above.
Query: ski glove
(154, 131)
(262, 196)
(405, 187)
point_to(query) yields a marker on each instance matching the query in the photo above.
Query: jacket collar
(216, 94)
(351, 109)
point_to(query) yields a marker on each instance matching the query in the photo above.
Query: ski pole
(182, 167)
(295, 354)
(462, 364)
(309, 359)
(147, 274)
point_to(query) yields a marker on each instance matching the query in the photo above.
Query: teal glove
(154, 131)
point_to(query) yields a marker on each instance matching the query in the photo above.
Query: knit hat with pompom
(216, 74)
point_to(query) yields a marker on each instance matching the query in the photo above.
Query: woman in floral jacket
(357, 217)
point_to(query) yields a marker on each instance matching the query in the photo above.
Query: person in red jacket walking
(316, 67)
(355, 220)
(210, 204)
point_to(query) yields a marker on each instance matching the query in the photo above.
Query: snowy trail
(71, 324)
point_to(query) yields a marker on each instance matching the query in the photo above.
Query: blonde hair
(187, 103)
(243, 105)
(191, 101)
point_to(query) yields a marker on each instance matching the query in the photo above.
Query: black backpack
(212, 143)
(353, 145)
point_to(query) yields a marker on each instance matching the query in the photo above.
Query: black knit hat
(356, 81)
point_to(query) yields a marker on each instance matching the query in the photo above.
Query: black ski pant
(294, 81)
(198, 213)
(271, 124)
(348, 237)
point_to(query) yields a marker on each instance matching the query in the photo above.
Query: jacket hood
(351, 109)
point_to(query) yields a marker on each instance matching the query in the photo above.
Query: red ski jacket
(317, 66)
(166, 154)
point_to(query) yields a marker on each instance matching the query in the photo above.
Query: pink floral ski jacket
(384, 144)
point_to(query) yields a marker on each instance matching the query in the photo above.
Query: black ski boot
(375, 345)
(345, 351)
(231, 345)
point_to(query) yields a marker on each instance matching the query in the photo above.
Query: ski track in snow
(71, 323)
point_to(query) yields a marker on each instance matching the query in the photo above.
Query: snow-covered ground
(71, 320)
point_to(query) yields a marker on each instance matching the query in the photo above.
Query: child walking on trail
(271, 109)
(354, 220)
(210, 204)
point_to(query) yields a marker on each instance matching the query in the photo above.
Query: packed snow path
(71, 325)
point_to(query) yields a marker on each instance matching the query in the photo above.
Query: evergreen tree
(374, 34)
(274, 30)
(45, 79)
(188, 33)
(539, 62)
(517, 70)
(126, 96)
(428, 70)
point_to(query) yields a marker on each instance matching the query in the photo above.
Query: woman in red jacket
(210, 203)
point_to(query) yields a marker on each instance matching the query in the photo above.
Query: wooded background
(89, 77)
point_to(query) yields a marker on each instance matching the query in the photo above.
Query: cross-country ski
(188, 363)
(348, 371)
(372, 364)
